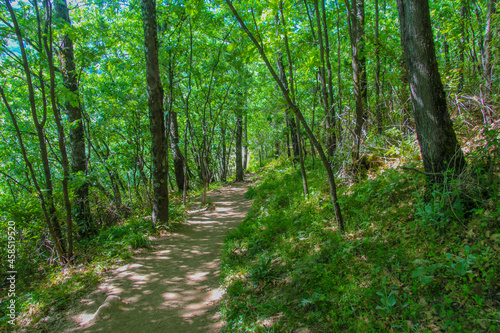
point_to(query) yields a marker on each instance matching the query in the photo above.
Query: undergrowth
(404, 264)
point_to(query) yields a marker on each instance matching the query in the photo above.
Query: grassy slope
(403, 265)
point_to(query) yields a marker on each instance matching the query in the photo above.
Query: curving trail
(175, 287)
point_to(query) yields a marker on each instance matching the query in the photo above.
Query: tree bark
(239, 164)
(176, 152)
(488, 37)
(461, 46)
(378, 112)
(357, 19)
(156, 114)
(83, 218)
(438, 143)
(47, 44)
(245, 142)
(223, 174)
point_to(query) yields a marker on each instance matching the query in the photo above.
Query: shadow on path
(175, 288)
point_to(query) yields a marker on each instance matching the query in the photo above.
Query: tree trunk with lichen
(156, 114)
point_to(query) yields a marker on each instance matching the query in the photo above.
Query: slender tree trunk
(330, 115)
(378, 112)
(438, 143)
(239, 165)
(223, 139)
(156, 114)
(176, 152)
(339, 76)
(184, 192)
(289, 121)
(245, 143)
(323, 80)
(488, 37)
(461, 46)
(86, 226)
(46, 37)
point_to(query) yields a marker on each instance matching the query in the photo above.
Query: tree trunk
(239, 165)
(176, 152)
(245, 143)
(46, 37)
(461, 46)
(330, 113)
(438, 143)
(156, 116)
(488, 36)
(378, 112)
(357, 15)
(83, 218)
(223, 174)
(323, 78)
(289, 121)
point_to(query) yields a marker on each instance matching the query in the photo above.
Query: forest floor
(174, 287)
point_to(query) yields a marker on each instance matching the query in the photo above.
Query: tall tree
(438, 143)
(73, 110)
(488, 37)
(357, 37)
(156, 114)
(47, 39)
(239, 155)
(378, 112)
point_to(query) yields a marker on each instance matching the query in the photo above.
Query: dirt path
(175, 287)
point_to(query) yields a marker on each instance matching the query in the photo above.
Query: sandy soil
(173, 288)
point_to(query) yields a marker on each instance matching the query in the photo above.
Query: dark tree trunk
(83, 218)
(239, 165)
(156, 114)
(330, 113)
(323, 80)
(378, 112)
(289, 120)
(245, 143)
(357, 19)
(488, 37)
(47, 39)
(223, 174)
(176, 152)
(461, 46)
(438, 143)
(117, 197)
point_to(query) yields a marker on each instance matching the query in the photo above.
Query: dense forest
(371, 127)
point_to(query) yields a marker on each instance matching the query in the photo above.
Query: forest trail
(175, 287)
